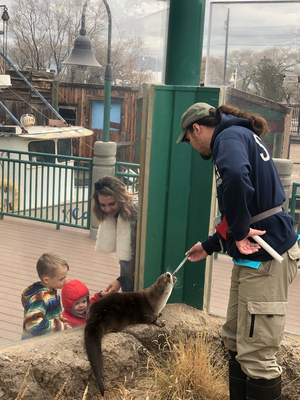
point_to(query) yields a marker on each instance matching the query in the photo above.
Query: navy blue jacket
(247, 184)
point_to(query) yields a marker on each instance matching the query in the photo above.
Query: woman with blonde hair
(115, 209)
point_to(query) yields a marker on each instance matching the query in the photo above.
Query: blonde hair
(48, 265)
(112, 186)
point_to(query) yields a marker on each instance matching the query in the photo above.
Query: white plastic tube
(268, 248)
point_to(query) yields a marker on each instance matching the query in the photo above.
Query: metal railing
(46, 187)
(295, 125)
(129, 175)
(293, 199)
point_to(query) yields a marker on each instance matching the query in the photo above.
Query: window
(43, 146)
(63, 148)
(68, 114)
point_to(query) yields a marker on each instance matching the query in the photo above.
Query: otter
(117, 310)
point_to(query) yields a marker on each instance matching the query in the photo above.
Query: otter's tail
(92, 337)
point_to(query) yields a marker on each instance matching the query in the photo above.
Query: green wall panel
(158, 185)
(179, 190)
(179, 197)
(199, 213)
(265, 112)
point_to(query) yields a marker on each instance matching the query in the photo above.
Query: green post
(55, 95)
(107, 105)
(184, 45)
(108, 77)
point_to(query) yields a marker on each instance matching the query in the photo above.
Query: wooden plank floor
(220, 293)
(22, 243)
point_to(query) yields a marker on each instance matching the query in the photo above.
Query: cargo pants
(257, 312)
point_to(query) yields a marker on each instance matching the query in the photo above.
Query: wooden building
(83, 104)
(79, 104)
(19, 99)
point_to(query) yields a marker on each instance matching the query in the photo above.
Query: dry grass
(185, 370)
(189, 369)
(23, 390)
(60, 391)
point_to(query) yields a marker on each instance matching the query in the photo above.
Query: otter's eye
(168, 275)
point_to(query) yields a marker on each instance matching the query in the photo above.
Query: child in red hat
(76, 301)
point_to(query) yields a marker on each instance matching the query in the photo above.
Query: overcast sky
(147, 18)
(253, 25)
(257, 25)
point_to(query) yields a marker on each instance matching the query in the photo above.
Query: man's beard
(205, 156)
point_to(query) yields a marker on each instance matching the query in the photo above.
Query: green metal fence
(293, 199)
(46, 187)
(129, 175)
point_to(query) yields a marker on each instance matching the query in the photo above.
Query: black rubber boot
(264, 389)
(237, 379)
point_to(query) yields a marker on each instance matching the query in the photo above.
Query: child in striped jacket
(41, 302)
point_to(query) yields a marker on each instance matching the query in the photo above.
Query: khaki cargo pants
(256, 313)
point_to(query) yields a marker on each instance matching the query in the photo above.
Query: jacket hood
(31, 290)
(73, 291)
(226, 122)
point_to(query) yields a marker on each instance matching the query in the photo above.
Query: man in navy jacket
(250, 198)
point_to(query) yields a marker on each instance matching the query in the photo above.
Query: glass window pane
(63, 147)
(69, 114)
(253, 46)
(43, 146)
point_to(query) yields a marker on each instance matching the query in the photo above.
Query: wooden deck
(24, 241)
(220, 293)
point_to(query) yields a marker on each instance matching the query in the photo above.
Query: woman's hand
(247, 247)
(198, 253)
(113, 287)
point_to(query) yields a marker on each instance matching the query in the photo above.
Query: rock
(60, 358)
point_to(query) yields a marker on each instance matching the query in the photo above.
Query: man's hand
(247, 247)
(198, 253)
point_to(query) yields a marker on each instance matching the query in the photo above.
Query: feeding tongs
(181, 264)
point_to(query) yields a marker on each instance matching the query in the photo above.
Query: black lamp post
(82, 56)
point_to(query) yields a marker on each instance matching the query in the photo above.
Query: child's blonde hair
(48, 265)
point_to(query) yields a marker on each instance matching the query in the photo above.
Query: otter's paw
(160, 324)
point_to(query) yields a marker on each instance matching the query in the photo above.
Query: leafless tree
(245, 62)
(43, 33)
(284, 59)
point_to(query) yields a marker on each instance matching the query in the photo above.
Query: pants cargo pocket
(294, 254)
(265, 322)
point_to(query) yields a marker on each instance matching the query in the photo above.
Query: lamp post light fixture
(82, 56)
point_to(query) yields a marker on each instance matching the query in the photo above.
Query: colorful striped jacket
(42, 311)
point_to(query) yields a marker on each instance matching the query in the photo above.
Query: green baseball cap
(193, 114)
